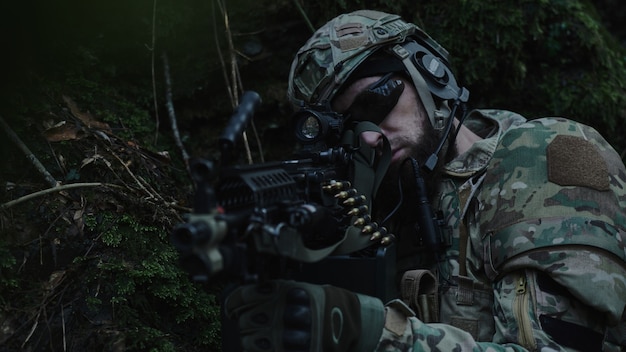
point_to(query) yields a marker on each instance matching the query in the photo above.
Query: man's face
(406, 126)
(409, 132)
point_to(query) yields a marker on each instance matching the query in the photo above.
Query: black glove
(294, 316)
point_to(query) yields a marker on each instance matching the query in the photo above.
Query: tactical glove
(294, 316)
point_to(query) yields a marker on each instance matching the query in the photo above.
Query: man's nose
(373, 139)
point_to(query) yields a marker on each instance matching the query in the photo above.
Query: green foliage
(539, 58)
(7, 264)
(148, 292)
(119, 281)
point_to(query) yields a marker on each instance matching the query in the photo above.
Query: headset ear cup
(438, 77)
(430, 64)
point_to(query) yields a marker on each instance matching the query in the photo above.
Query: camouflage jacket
(533, 263)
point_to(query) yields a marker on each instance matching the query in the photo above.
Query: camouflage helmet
(326, 61)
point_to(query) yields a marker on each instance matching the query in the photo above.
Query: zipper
(522, 315)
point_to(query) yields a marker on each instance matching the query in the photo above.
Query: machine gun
(280, 219)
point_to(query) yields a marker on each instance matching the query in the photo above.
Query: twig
(235, 76)
(152, 61)
(170, 205)
(50, 294)
(150, 195)
(49, 190)
(172, 113)
(33, 328)
(233, 60)
(258, 139)
(63, 325)
(304, 15)
(108, 165)
(29, 155)
(56, 158)
(153, 192)
(41, 236)
(220, 55)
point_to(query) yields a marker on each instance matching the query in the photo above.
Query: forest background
(93, 171)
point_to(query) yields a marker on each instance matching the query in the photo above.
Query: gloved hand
(293, 316)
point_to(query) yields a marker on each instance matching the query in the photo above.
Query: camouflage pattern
(476, 318)
(336, 49)
(507, 264)
(553, 186)
(330, 56)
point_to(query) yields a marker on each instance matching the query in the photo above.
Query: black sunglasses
(376, 101)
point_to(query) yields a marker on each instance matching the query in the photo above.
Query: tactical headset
(350, 46)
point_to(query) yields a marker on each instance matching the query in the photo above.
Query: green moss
(146, 288)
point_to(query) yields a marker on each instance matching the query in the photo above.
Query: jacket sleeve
(408, 333)
(531, 313)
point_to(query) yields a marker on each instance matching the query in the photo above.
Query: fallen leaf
(92, 159)
(85, 117)
(54, 280)
(63, 132)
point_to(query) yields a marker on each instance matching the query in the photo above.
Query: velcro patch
(349, 29)
(466, 324)
(396, 314)
(573, 161)
(350, 36)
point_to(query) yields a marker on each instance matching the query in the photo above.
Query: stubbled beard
(389, 194)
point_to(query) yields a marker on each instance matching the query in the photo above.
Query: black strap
(571, 335)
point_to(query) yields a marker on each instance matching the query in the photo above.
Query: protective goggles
(376, 101)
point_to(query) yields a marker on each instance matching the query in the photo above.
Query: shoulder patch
(573, 161)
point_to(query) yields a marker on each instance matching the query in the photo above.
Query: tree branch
(47, 191)
(29, 155)
(172, 113)
(152, 63)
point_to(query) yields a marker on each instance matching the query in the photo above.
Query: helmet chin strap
(433, 159)
(432, 78)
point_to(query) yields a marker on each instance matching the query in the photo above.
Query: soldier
(532, 255)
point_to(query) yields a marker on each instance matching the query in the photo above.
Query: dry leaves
(66, 130)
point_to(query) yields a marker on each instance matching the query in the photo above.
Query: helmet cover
(324, 65)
